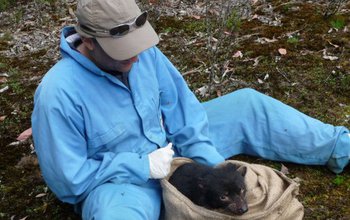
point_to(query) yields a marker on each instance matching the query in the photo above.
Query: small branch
(191, 71)
(280, 72)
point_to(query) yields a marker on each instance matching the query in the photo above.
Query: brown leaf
(25, 135)
(255, 16)
(282, 51)
(153, 2)
(2, 118)
(238, 54)
(3, 79)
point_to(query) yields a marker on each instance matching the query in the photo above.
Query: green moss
(233, 22)
(338, 23)
(293, 40)
(4, 4)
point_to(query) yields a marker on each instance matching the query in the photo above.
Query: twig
(191, 71)
(280, 72)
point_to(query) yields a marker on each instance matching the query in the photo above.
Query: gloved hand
(160, 161)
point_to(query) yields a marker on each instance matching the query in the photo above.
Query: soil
(295, 51)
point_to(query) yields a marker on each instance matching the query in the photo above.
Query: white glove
(160, 161)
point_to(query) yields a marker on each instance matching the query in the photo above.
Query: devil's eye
(223, 197)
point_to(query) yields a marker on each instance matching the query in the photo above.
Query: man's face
(107, 63)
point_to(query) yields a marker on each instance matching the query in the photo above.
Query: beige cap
(99, 16)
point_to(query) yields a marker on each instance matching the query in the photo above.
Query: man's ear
(88, 43)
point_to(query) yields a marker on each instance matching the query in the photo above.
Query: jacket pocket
(104, 138)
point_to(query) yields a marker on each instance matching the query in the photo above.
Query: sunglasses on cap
(121, 29)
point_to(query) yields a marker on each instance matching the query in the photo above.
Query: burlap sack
(270, 195)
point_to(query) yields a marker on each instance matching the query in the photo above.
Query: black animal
(214, 188)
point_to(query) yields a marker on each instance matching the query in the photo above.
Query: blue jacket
(89, 128)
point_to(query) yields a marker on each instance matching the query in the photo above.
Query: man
(106, 115)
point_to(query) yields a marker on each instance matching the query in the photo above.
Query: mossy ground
(302, 78)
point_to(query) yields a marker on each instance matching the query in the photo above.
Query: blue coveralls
(92, 134)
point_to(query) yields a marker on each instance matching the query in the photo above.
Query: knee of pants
(251, 97)
(241, 102)
(233, 103)
(122, 201)
(247, 91)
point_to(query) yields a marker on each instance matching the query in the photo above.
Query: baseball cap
(101, 18)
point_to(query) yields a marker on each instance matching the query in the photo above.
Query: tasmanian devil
(214, 188)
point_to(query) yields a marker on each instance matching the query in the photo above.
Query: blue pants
(242, 122)
(249, 122)
(112, 201)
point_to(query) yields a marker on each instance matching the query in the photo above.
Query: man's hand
(160, 161)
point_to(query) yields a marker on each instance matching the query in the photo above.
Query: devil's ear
(242, 170)
(229, 167)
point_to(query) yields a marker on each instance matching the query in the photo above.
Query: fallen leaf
(214, 39)
(284, 170)
(196, 17)
(153, 2)
(282, 51)
(203, 90)
(4, 89)
(256, 61)
(40, 195)
(4, 75)
(3, 79)
(15, 143)
(227, 33)
(255, 16)
(238, 54)
(2, 118)
(265, 40)
(327, 57)
(25, 135)
(266, 77)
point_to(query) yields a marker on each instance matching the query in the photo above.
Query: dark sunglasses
(121, 29)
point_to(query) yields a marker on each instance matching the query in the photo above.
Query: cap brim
(130, 45)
